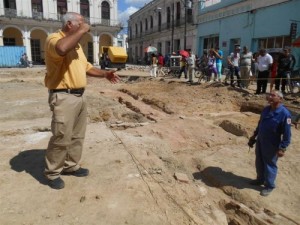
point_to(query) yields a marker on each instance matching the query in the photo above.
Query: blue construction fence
(10, 55)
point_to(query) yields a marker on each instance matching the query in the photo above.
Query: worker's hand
(84, 27)
(251, 141)
(280, 153)
(112, 77)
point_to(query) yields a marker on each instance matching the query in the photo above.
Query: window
(9, 41)
(37, 9)
(168, 47)
(211, 42)
(36, 50)
(151, 22)
(105, 10)
(62, 6)
(141, 27)
(177, 46)
(159, 21)
(146, 24)
(90, 52)
(274, 42)
(168, 17)
(159, 48)
(37, 5)
(85, 8)
(136, 30)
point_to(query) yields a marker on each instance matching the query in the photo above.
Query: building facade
(253, 23)
(168, 25)
(28, 22)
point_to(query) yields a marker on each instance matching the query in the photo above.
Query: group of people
(65, 79)
(246, 67)
(187, 64)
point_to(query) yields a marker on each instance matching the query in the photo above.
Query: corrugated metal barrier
(10, 55)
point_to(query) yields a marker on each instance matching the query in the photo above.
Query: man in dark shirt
(284, 67)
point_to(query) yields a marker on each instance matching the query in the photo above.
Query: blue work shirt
(274, 127)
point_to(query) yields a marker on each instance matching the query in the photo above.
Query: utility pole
(172, 35)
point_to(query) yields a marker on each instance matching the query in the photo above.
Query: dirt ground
(159, 151)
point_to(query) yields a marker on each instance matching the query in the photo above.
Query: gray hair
(69, 16)
(278, 93)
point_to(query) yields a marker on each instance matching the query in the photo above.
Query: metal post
(185, 23)
(172, 38)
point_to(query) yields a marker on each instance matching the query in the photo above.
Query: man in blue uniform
(272, 137)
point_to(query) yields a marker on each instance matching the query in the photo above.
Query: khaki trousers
(68, 128)
(245, 75)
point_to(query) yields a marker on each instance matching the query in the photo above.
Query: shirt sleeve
(286, 131)
(51, 43)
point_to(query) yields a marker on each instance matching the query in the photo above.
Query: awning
(296, 43)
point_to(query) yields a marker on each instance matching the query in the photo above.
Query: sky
(128, 7)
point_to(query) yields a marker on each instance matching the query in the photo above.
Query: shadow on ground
(216, 177)
(32, 162)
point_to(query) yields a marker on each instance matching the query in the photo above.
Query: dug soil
(160, 152)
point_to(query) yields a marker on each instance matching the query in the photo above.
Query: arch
(39, 28)
(105, 39)
(86, 43)
(11, 37)
(38, 38)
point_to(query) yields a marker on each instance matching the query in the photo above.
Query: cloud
(124, 16)
(137, 2)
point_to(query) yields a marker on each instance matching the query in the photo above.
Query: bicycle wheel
(198, 74)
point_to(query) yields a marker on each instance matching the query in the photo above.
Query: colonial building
(168, 25)
(28, 22)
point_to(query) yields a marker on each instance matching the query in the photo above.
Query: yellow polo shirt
(64, 72)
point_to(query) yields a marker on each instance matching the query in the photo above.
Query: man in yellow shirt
(67, 68)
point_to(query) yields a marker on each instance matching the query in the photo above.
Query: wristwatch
(282, 149)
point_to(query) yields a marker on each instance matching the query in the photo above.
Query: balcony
(11, 13)
(55, 17)
(37, 15)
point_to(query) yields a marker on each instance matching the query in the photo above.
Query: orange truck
(113, 57)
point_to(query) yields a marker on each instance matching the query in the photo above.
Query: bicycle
(201, 72)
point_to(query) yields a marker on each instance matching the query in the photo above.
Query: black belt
(78, 91)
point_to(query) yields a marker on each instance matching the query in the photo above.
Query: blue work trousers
(266, 162)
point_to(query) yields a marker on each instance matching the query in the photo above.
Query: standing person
(183, 67)
(233, 65)
(65, 79)
(285, 61)
(191, 62)
(212, 66)
(265, 62)
(254, 68)
(219, 62)
(272, 136)
(153, 67)
(246, 59)
(273, 72)
(160, 65)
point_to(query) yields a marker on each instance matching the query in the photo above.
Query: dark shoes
(81, 172)
(266, 191)
(57, 183)
(256, 182)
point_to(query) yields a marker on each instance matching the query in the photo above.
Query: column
(27, 44)
(96, 49)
